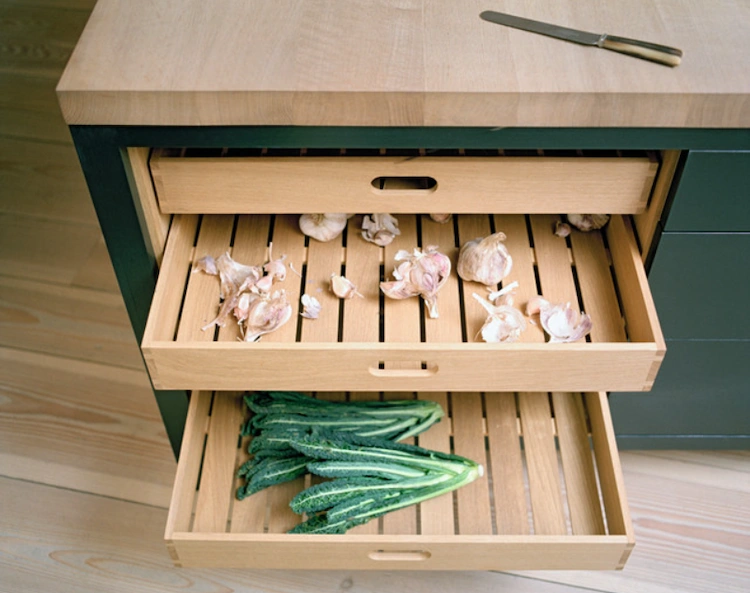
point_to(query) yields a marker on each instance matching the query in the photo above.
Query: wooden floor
(85, 468)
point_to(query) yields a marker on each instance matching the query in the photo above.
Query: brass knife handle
(661, 54)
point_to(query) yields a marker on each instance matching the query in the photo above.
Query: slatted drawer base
(375, 343)
(552, 495)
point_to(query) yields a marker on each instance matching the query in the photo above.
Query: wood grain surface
(404, 62)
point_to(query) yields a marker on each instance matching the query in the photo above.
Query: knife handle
(662, 54)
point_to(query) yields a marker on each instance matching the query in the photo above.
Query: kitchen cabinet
(214, 114)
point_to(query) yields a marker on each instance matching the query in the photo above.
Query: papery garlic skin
(561, 322)
(323, 227)
(343, 288)
(310, 307)
(235, 279)
(421, 273)
(265, 314)
(504, 296)
(588, 222)
(485, 260)
(380, 229)
(504, 323)
(441, 218)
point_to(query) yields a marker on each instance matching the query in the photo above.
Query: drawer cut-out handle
(420, 370)
(410, 185)
(399, 555)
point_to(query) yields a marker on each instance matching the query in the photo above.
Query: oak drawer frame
(577, 521)
(180, 356)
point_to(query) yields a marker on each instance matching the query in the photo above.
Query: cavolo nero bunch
(279, 415)
(353, 444)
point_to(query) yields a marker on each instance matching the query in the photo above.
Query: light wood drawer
(379, 344)
(470, 184)
(552, 495)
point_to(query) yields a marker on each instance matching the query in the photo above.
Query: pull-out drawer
(378, 344)
(551, 497)
(438, 181)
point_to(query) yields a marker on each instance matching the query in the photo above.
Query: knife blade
(661, 54)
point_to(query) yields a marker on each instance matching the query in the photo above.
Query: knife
(662, 54)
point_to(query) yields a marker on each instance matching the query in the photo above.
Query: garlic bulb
(380, 229)
(343, 287)
(441, 218)
(504, 323)
(235, 279)
(562, 229)
(421, 273)
(323, 227)
(588, 222)
(485, 260)
(310, 307)
(561, 322)
(265, 313)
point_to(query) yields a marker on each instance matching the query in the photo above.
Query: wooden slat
(581, 490)
(511, 512)
(280, 517)
(191, 453)
(323, 260)
(203, 290)
(555, 273)
(249, 248)
(436, 515)
(470, 227)
(541, 464)
(597, 288)
(447, 327)
(517, 242)
(288, 240)
(171, 283)
(217, 473)
(362, 315)
(474, 514)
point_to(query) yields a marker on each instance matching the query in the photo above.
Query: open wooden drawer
(379, 344)
(552, 495)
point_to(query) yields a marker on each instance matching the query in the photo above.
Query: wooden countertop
(405, 63)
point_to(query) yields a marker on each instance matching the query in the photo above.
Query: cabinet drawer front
(565, 522)
(713, 194)
(402, 184)
(701, 285)
(375, 343)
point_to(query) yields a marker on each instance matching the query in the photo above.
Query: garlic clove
(419, 273)
(588, 222)
(310, 307)
(565, 324)
(507, 292)
(234, 274)
(265, 314)
(380, 229)
(503, 324)
(343, 287)
(275, 267)
(485, 260)
(441, 218)
(562, 229)
(323, 227)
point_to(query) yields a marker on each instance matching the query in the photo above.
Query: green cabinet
(713, 193)
(701, 286)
